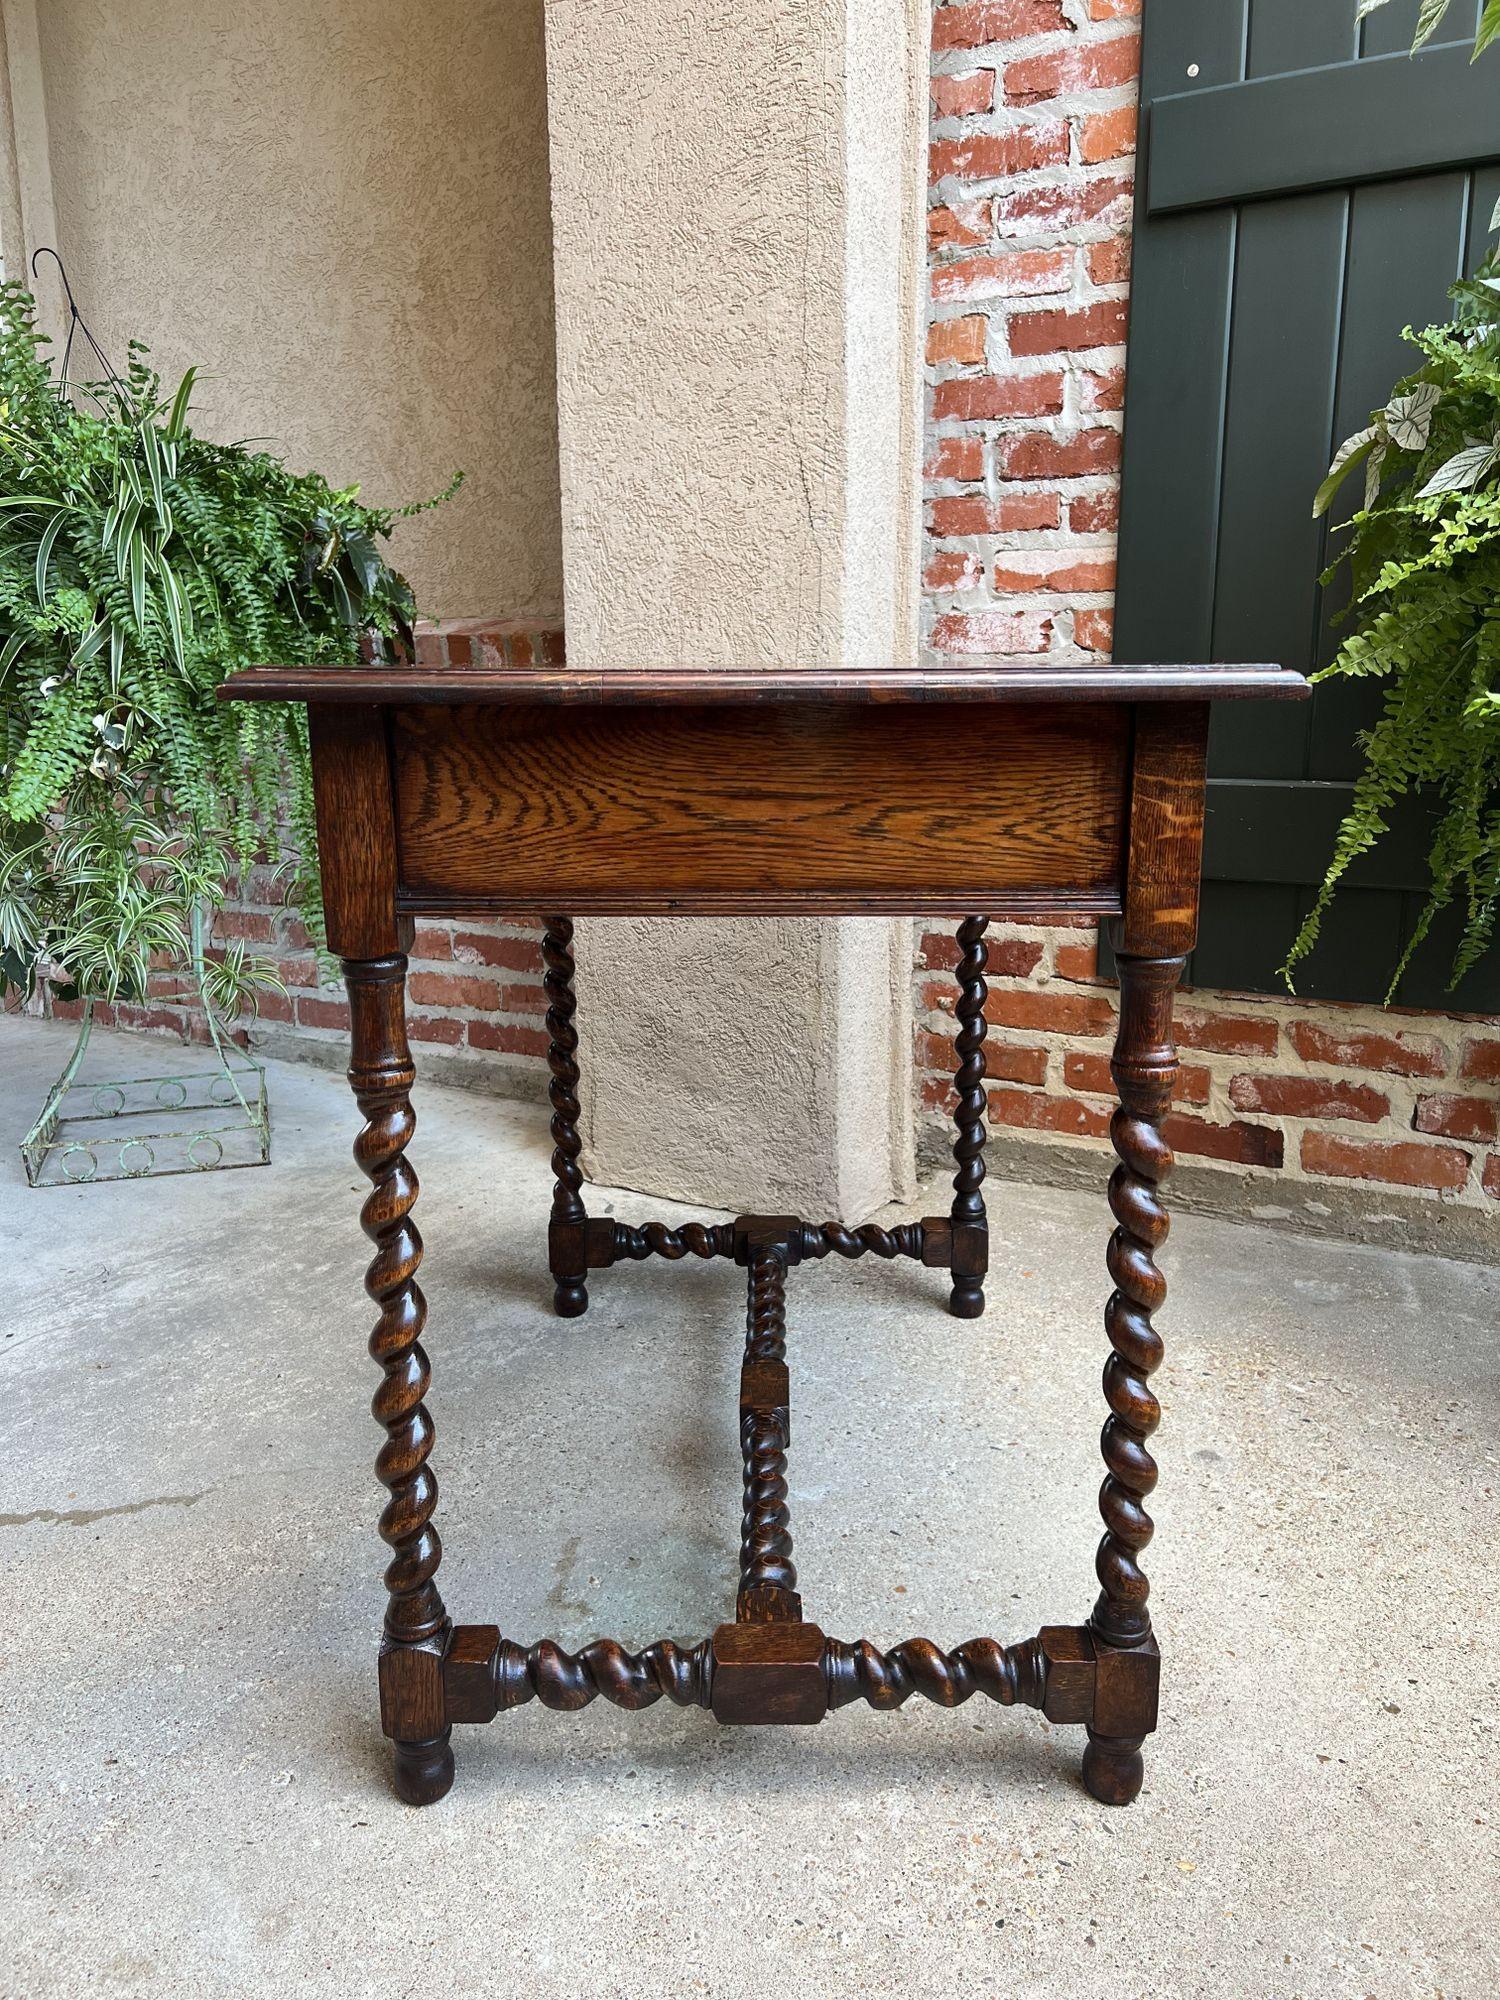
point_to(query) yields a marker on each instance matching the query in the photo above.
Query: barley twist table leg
(1145, 1070)
(566, 1239)
(416, 1624)
(768, 1576)
(966, 1300)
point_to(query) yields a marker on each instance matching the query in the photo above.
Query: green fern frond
(140, 566)
(1424, 563)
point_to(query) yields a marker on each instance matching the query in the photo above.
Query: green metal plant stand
(146, 1127)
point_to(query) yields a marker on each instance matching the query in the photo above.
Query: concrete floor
(194, 1798)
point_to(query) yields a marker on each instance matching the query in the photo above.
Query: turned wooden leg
(567, 1232)
(1114, 1769)
(768, 1576)
(423, 1772)
(970, 1229)
(416, 1624)
(1145, 1070)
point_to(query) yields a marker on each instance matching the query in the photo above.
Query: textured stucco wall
(886, 57)
(737, 245)
(735, 212)
(10, 171)
(748, 1064)
(341, 213)
(697, 229)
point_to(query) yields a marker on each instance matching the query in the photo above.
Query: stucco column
(737, 203)
(28, 218)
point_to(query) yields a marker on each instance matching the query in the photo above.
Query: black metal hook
(76, 321)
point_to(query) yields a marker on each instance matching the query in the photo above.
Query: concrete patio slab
(194, 1788)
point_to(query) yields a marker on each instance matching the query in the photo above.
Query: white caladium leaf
(1489, 28)
(1408, 419)
(1464, 470)
(1374, 466)
(1349, 453)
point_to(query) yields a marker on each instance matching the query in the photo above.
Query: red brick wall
(1033, 126)
(1033, 107)
(1292, 1091)
(1033, 130)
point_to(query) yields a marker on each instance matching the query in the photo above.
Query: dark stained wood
(1114, 1769)
(1031, 904)
(770, 1672)
(356, 832)
(1071, 791)
(469, 1673)
(1126, 1688)
(768, 1576)
(907, 1239)
(567, 1232)
(760, 1673)
(655, 1239)
(969, 1248)
(1145, 1072)
(1069, 1669)
(1165, 860)
(657, 687)
(929, 1241)
(618, 809)
(381, 1074)
(486, 1674)
(1006, 1674)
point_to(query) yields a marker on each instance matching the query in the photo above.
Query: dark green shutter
(1304, 192)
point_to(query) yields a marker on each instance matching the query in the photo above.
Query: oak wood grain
(356, 831)
(600, 810)
(665, 686)
(1168, 768)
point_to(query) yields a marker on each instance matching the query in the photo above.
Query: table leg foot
(570, 1298)
(1114, 1769)
(423, 1771)
(967, 1298)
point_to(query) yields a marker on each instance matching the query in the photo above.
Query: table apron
(818, 810)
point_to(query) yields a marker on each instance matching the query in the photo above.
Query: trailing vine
(140, 565)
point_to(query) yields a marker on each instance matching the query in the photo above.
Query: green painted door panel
(1309, 192)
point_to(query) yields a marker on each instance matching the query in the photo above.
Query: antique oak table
(1013, 792)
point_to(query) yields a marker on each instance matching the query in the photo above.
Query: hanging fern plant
(140, 565)
(1430, 17)
(1423, 556)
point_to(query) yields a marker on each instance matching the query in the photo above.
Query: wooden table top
(699, 687)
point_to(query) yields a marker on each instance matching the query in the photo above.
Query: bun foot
(424, 1771)
(570, 1298)
(967, 1300)
(1114, 1769)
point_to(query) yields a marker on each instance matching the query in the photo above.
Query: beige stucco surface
(766, 1059)
(737, 224)
(737, 242)
(341, 213)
